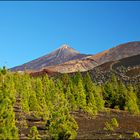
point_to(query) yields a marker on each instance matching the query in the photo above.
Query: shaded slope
(126, 69)
(128, 62)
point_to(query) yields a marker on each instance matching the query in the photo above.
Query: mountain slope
(118, 52)
(67, 60)
(126, 70)
(89, 62)
(82, 64)
(61, 55)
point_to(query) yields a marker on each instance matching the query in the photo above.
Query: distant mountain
(61, 55)
(90, 62)
(118, 52)
(67, 60)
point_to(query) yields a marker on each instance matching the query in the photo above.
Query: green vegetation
(136, 135)
(51, 100)
(111, 126)
(54, 99)
(8, 129)
(131, 102)
(34, 133)
(120, 96)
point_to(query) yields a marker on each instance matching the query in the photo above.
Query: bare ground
(93, 128)
(89, 127)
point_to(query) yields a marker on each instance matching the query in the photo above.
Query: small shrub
(111, 126)
(116, 107)
(114, 123)
(108, 127)
(34, 133)
(136, 135)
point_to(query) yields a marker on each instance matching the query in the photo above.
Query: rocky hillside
(126, 69)
(83, 64)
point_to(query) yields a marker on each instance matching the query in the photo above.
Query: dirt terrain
(93, 128)
(89, 127)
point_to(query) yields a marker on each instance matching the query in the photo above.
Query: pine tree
(48, 85)
(33, 103)
(138, 94)
(61, 124)
(131, 103)
(77, 77)
(40, 95)
(25, 88)
(89, 91)
(121, 95)
(71, 99)
(34, 133)
(81, 97)
(65, 80)
(99, 98)
(109, 95)
(8, 129)
(68, 90)
(49, 92)
(4, 70)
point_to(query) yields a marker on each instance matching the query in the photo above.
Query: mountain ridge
(90, 62)
(58, 56)
(118, 52)
(66, 59)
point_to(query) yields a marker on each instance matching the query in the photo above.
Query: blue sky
(29, 30)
